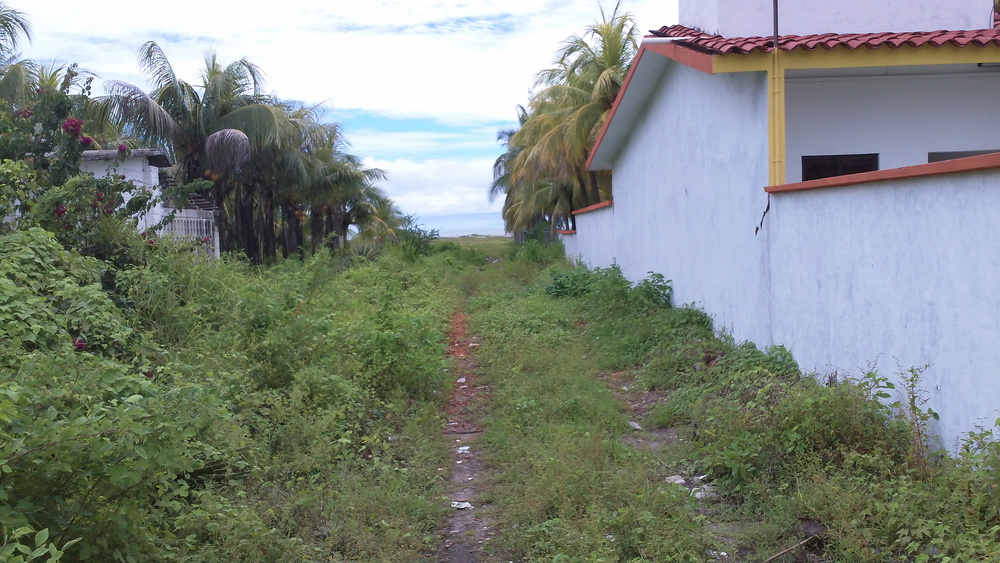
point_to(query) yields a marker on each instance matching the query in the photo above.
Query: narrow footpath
(469, 528)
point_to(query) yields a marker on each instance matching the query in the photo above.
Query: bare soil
(468, 530)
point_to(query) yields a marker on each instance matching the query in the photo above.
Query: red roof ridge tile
(720, 45)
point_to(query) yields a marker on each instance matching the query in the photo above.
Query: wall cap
(956, 166)
(594, 207)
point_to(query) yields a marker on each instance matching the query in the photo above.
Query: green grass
(776, 443)
(567, 489)
(488, 246)
(221, 412)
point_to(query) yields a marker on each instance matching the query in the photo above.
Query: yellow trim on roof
(842, 57)
(776, 64)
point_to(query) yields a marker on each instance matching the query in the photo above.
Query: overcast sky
(421, 86)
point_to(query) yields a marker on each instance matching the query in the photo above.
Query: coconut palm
(344, 195)
(18, 80)
(15, 75)
(547, 155)
(211, 127)
(13, 26)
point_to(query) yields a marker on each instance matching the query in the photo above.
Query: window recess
(830, 165)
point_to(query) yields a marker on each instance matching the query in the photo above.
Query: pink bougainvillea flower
(122, 177)
(122, 148)
(100, 196)
(67, 226)
(149, 375)
(86, 141)
(80, 344)
(60, 211)
(73, 126)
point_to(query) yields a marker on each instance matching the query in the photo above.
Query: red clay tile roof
(719, 45)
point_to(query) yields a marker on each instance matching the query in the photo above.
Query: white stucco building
(828, 197)
(148, 168)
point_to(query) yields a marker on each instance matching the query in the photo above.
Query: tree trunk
(245, 224)
(222, 223)
(316, 220)
(286, 228)
(595, 182)
(330, 227)
(266, 224)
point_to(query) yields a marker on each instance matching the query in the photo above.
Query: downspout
(776, 110)
(776, 134)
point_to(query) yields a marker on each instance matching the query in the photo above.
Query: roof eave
(641, 80)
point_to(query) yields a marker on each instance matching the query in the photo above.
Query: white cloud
(464, 64)
(460, 61)
(438, 186)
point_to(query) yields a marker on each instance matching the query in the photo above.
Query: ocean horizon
(463, 224)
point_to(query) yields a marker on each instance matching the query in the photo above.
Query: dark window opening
(828, 166)
(951, 155)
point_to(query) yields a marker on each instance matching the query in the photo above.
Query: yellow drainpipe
(776, 113)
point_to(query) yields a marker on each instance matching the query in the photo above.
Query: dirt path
(469, 528)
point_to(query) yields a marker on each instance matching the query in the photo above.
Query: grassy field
(788, 466)
(185, 409)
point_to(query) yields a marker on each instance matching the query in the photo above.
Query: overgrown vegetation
(279, 176)
(158, 405)
(780, 447)
(168, 407)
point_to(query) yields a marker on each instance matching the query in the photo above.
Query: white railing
(201, 229)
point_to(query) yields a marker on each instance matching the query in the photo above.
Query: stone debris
(461, 505)
(462, 450)
(460, 380)
(635, 425)
(705, 493)
(676, 480)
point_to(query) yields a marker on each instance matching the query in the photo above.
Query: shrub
(91, 215)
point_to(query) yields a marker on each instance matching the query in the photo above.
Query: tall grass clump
(565, 486)
(782, 446)
(187, 409)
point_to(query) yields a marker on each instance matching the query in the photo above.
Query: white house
(149, 168)
(837, 196)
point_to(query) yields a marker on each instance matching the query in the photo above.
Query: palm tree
(344, 194)
(210, 127)
(15, 76)
(13, 25)
(546, 156)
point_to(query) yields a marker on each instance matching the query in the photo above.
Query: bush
(537, 252)
(91, 215)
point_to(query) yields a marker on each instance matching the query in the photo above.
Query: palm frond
(227, 150)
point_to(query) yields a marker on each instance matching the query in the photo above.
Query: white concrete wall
(136, 170)
(739, 18)
(687, 193)
(902, 118)
(595, 241)
(903, 271)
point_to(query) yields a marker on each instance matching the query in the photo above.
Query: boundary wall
(893, 269)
